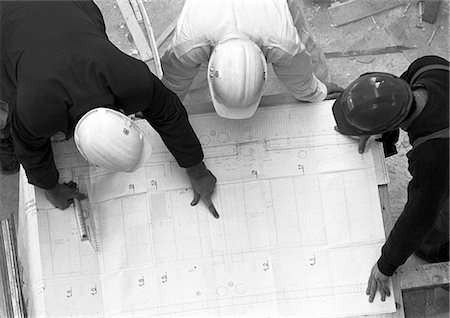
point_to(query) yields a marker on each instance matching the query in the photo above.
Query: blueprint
(300, 227)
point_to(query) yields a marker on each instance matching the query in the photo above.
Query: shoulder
(421, 62)
(432, 154)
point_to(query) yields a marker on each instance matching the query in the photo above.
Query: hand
(62, 195)
(333, 91)
(362, 140)
(203, 183)
(377, 280)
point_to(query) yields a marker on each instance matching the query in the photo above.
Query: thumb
(332, 95)
(196, 198)
(362, 143)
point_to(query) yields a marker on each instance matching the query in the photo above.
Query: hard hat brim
(227, 103)
(146, 150)
(234, 113)
(342, 124)
(91, 150)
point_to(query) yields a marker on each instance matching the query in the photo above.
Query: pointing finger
(213, 211)
(210, 206)
(382, 292)
(386, 289)
(369, 283)
(373, 290)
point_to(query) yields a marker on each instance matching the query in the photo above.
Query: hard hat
(372, 104)
(111, 140)
(237, 72)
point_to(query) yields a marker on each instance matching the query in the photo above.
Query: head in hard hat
(107, 138)
(372, 104)
(237, 71)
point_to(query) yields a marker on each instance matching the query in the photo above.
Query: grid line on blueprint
(287, 239)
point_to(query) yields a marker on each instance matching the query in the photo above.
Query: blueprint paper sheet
(300, 227)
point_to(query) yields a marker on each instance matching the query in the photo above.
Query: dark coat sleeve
(135, 89)
(35, 154)
(140, 91)
(427, 193)
(79, 73)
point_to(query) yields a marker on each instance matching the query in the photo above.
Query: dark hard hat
(372, 104)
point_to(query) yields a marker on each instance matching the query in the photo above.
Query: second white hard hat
(111, 140)
(237, 71)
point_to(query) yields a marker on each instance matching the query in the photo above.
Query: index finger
(369, 284)
(373, 290)
(382, 292)
(386, 289)
(211, 207)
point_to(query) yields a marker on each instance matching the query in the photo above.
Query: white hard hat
(237, 72)
(111, 140)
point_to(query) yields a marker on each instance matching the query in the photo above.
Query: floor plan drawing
(300, 227)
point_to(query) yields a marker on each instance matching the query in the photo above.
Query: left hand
(63, 194)
(377, 280)
(361, 143)
(333, 91)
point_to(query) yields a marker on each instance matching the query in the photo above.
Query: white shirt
(268, 23)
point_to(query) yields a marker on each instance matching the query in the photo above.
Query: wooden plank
(164, 35)
(388, 223)
(133, 26)
(168, 31)
(397, 293)
(388, 220)
(137, 11)
(359, 9)
(424, 276)
(400, 32)
(375, 51)
(151, 39)
(9, 272)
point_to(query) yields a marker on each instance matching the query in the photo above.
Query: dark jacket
(59, 60)
(429, 167)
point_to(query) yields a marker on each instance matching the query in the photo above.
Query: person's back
(268, 23)
(50, 49)
(60, 64)
(435, 115)
(418, 102)
(204, 25)
(43, 34)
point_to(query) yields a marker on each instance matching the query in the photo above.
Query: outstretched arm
(179, 72)
(295, 71)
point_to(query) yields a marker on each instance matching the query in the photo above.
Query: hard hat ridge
(111, 140)
(372, 104)
(236, 75)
